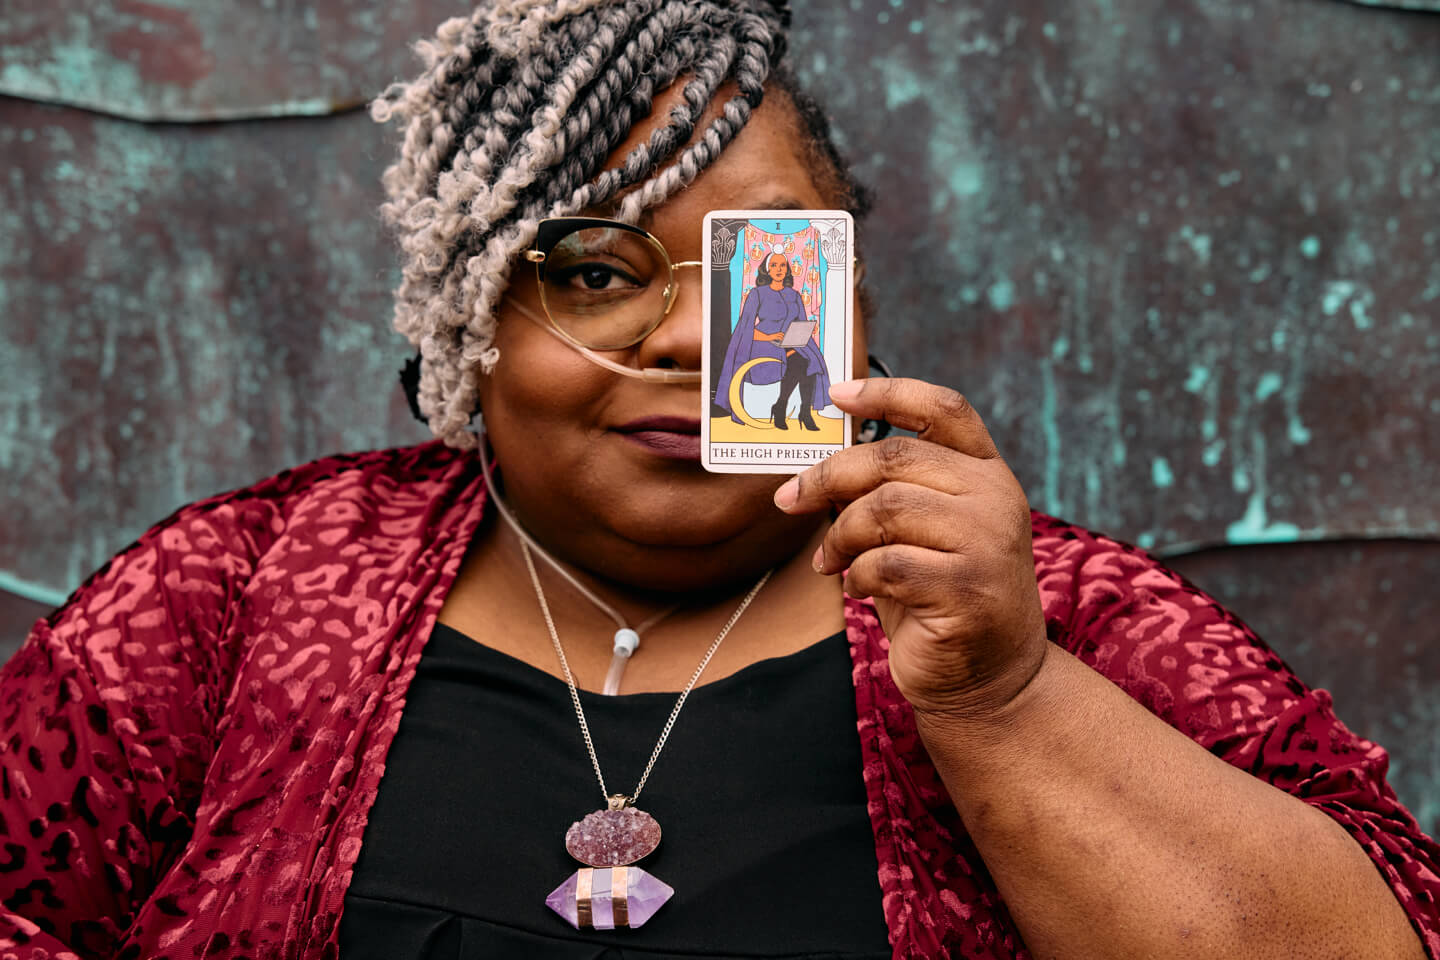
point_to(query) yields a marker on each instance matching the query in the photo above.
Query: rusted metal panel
(190, 59)
(17, 616)
(1357, 619)
(1183, 258)
(1419, 6)
(186, 59)
(185, 308)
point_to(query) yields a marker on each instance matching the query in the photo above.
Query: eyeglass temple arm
(648, 374)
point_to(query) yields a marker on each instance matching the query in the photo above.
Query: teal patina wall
(1184, 256)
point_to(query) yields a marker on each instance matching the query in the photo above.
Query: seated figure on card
(770, 311)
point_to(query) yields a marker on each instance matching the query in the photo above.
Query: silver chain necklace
(627, 638)
(608, 892)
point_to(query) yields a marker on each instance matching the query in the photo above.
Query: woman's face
(600, 467)
(777, 267)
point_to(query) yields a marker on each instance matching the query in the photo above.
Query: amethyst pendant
(610, 893)
(607, 898)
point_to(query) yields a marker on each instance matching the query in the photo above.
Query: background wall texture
(1184, 256)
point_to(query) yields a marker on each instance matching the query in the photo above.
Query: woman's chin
(699, 529)
(697, 550)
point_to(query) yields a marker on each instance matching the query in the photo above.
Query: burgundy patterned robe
(192, 742)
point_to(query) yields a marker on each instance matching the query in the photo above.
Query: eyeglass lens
(605, 287)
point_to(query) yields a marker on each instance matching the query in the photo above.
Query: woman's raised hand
(937, 530)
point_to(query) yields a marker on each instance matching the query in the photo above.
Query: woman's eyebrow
(602, 211)
(782, 203)
(779, 203)
(609, 208)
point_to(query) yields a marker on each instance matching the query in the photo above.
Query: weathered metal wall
(195, 60)
(1358, 619)
(1185, 256)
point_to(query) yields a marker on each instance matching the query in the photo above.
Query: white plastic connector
(626, 640)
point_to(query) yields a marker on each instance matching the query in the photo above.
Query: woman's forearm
(1110, 834)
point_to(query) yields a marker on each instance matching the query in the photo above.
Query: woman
(326, 713)
(766, 315)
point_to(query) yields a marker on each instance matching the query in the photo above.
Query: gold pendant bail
(618, 801)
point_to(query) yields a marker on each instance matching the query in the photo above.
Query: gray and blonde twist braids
(511, 121)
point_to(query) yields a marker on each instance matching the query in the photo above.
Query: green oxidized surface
(1195, 233)
(1202, 235)
(189, 59)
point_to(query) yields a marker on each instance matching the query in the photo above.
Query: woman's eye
(597, 276)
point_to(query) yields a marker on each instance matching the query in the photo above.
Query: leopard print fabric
(189, 747)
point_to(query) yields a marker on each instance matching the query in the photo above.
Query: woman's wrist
(1014, 708)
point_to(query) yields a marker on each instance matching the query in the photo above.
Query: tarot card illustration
(778, 332)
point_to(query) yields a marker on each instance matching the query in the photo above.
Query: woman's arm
(750, 316)
(1108, 832)
(1111, 834)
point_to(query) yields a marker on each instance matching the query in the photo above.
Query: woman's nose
(676, 342)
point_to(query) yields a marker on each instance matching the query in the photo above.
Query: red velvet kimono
(191, 744)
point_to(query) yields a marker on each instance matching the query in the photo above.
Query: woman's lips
(674, 438)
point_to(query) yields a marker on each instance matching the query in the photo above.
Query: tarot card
(779, 329)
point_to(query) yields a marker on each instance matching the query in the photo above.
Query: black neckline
(766, 666)
(769, 843)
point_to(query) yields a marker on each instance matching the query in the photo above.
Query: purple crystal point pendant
(609, 893)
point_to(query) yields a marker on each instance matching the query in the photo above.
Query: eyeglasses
(605, 285)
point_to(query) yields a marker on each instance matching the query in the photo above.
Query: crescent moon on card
(735, 381)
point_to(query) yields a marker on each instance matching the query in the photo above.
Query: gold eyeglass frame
(552, 230)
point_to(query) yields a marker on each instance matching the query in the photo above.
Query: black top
(766, 838)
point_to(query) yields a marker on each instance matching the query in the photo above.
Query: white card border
(705, 353)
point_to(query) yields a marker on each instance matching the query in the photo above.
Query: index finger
(934, 413)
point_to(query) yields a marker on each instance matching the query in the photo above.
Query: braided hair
(511, 121)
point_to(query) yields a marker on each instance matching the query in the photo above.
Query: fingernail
(786, 496)
(818, 561)
(846, 389)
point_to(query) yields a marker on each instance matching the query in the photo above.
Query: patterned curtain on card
(803, 251)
